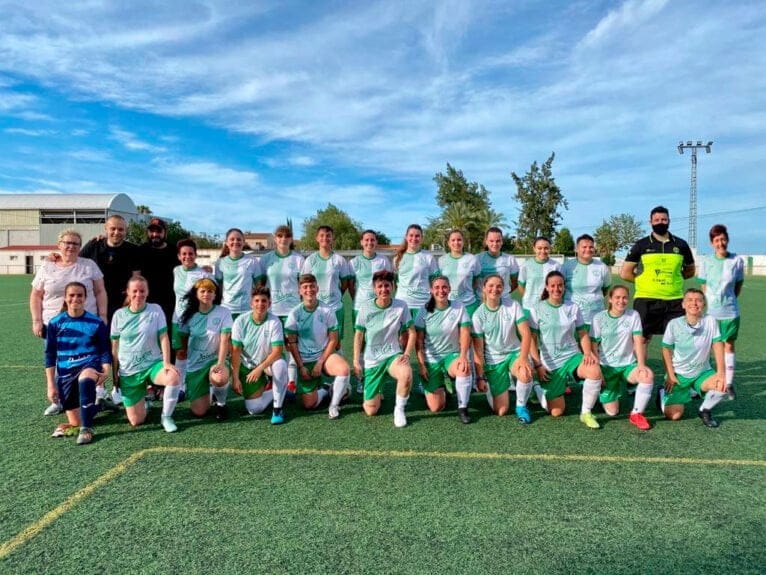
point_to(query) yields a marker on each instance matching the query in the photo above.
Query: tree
(144, 210)
(540, 200)
(346, 230)
(564, 243)
(465, 206)
(383, 239)
(615, 234)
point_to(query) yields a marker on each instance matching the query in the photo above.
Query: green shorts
(729, 329)
(615, 379)
(249, 389)
(682, 393)
(558, 379)
(438, 374)
(340, 316)
(175, 336)
(308, 385)
(198, 382)
(499, 375)
(133, 386)
(376, 377)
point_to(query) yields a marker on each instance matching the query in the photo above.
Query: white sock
(523, 389)
(292, 369)
(279, 370)
(643, 395)
(321, 394)
(463, 390)
(100, 392)
(181, 369)
(169, 399)
(259, 404)
(540, 393)
(338, 389)
(712, 398)
(590, 391)
(662, 394)
(401, 402)
(490, 399)
(729, 361)
(220, 394)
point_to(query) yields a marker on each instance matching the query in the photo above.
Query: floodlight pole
(689, 145)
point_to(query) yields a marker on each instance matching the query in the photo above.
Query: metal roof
(115, 202)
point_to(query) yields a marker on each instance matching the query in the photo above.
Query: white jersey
(51, 279)
(461, 273)
(382, 327)
(413, 277)
(363, 269)
(183, 281)
(329, 272)
(498, 329)
(504, 265)
(282, 273)
(615, 337)
(312, 329)
(585, 285)
(139, 336)
(556, 327)
(204, 331)
(256, 339)
(238, 276)
(532, 278)
(720, 276)
(442, 330)
(691, 345)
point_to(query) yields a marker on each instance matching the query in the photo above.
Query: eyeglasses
(70, 244)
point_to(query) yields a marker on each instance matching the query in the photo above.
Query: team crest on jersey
(676, 250)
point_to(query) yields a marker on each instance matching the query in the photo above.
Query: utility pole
(689, 145)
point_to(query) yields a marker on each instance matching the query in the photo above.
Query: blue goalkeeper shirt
(74, 343)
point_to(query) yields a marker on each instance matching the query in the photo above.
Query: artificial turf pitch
(357, 495)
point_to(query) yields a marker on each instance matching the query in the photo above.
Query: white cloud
(631, 14)
(132, 142)
(32, 133)
(209, 174)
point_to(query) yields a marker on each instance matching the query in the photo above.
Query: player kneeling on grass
(557, 357)
(256, 352)
(312, 338)
(501, 342)
(380, 325)
(616, 335)
(443, 340)
(205, 330)
(686, 348)
(77, 359)
(141, 355)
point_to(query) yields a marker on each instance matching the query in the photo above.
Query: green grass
(376, 512)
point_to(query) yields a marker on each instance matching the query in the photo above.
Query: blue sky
(224, 114)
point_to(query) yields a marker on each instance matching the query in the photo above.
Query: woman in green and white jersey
(686, 347)
(237, 273)
(443, 343)
(311, 331)
(557, 328)
(533, 271)
(616, 335)
(257, 352)
(587, 279)
(414, 268)
(205, 329)
(379, 328)
(722, 275)
(184, 278)
(493, 261)
(141, 355)
(462, 270)
(364, 267)
(332, 274)
(282, 267)
(501, 342)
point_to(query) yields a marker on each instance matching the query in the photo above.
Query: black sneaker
(106, 404)
(707, 418)
(731, 392)
(462, 414)
(221, 412)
